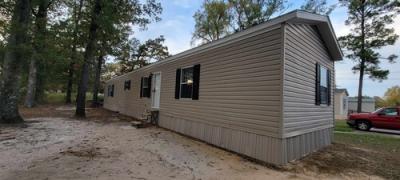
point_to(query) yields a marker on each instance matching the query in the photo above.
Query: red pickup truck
(386, 118)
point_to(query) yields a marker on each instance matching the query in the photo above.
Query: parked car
(386, 118)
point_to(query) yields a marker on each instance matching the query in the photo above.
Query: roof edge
(322, 21)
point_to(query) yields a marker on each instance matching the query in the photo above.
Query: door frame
(153, 86)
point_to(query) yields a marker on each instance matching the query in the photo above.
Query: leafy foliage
(212, 21)
(218, 18)
(318, 7)
(247, 13)
(134, 54)
(391, 98)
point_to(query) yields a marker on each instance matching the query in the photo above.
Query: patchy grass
(373, 154)
(59, 98)
(342, 126)
(375, 142)
(355, 152)
(56, 98)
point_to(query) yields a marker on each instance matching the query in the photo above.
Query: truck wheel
(363, 125)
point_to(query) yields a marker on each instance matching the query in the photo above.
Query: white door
(156, 87)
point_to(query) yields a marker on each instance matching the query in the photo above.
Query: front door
(156, 87)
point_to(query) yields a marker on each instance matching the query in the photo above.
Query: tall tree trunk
(360, 88)
(362, 64)
(69, 85)
(88, 58)
(96, 85)
(39, 46)
(78, 13)
(14, 58)
(31, 90)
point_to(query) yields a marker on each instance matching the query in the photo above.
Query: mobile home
(368, 104)
(341, 103)
(264, 92)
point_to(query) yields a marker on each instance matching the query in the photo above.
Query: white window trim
(181, 83)
(321, 67)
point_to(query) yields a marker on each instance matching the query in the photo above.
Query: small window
(323, 85)
(110, 90)
(145, 87)
(186, 87)
(389, 112)
(127, 85)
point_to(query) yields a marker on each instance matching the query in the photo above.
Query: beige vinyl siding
(263, 148)
(301, 145)
(303, 49)
(240, 86)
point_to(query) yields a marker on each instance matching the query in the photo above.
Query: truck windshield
(376, 111)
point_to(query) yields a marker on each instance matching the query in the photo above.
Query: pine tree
(370, 33)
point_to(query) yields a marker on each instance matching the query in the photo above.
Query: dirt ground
(54, 145)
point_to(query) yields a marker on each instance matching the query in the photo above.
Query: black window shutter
(112, 90)
(317, 85)
(329, 87)
(177, 83)
(149, 85)
(108, 90)
(141, 87)
(196, 81)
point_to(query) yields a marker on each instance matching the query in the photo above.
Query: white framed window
(145, 87)
(186, 82)
(323, 85)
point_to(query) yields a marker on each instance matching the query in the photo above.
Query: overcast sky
(177, 26)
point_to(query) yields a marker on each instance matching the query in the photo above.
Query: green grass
(59, 98)
(341, 125)
(344, 135)
(371, 141)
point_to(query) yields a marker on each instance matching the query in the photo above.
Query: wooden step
(138, 124)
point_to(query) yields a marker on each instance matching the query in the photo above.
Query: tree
(212, 21)
(391, 98)
(15, 55)
(76, 18)
(39, 46)
(218, 18)
(6, 9)
(89, 54)
(247, 13)
(370, 33)
(318, 7)
(115, 19)
(134, 55)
